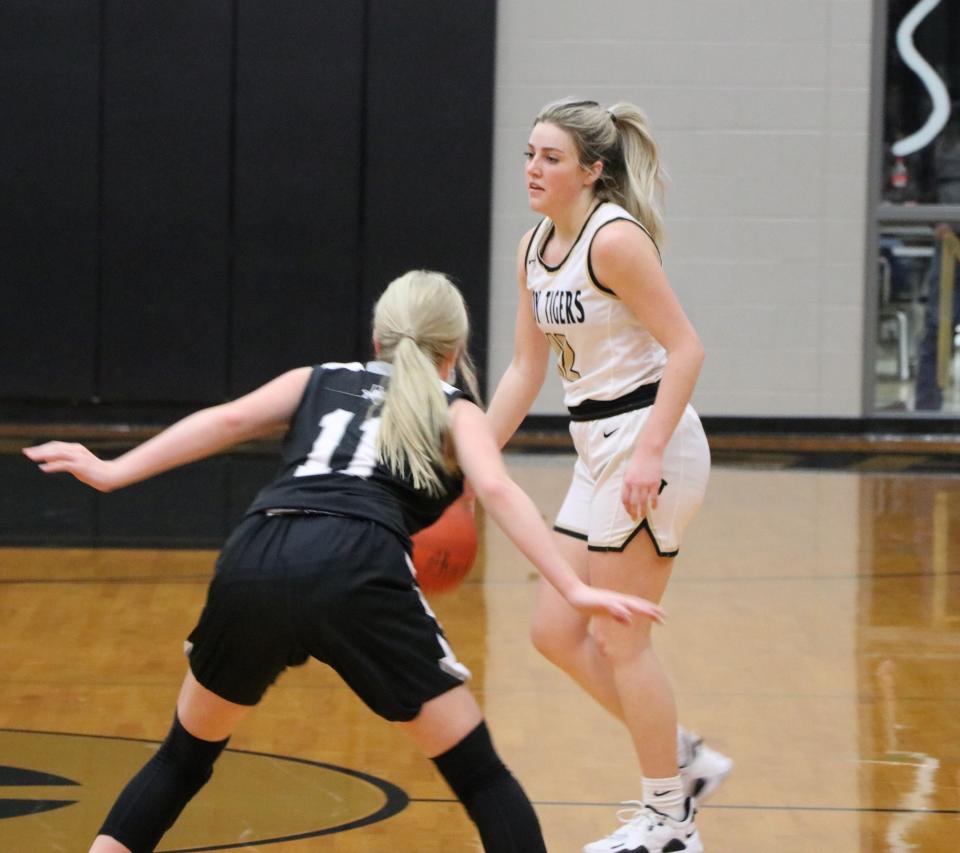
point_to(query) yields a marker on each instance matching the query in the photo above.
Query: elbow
(232, 422)
(696, 358)
(538, 372)
(532, 371)
(690, 353)
(492, 491)
(699, 355)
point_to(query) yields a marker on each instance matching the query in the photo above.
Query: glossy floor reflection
(814, 635)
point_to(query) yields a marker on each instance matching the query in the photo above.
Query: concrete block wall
(761, 109)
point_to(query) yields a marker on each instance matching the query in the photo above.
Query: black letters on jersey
(558, 307)
(329, 455)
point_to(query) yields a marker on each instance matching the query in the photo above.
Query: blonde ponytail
(620, 138)
(643, 188)
(418, 322)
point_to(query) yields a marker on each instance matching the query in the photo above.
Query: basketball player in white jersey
(592, 290)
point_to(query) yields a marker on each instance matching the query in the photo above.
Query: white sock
(665, 795)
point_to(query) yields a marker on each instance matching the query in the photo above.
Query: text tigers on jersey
(558, 307)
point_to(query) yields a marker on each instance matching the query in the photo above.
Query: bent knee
(618, 643)
(557, 644)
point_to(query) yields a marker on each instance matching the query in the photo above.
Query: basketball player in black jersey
(320, 566)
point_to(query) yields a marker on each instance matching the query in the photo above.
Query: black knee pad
(191, 757)
(471, 764)
(153, 799)
(492, 797)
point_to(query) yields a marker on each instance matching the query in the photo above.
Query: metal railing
(950, 256)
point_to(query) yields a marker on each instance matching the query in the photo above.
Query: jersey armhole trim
(312, 382)
(593, 276)
(533, 237)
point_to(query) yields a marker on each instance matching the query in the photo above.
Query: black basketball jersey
(330, 459)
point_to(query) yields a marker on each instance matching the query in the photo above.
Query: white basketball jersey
(602, 350)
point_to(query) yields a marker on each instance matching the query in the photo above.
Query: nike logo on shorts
(608, 434)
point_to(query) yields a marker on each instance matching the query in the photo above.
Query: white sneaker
(645, 830)
(704, 772)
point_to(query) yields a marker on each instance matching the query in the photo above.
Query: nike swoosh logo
(608, 434)
(661, 793)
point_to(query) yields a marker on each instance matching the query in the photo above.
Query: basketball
(444, 552)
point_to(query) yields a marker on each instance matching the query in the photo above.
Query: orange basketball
(443, 553)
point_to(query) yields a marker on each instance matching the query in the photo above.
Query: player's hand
(641, 483)
(60, 456)
(619, 606)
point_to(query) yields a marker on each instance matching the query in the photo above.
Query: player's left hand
(71, 458)
(641, 483)
(617, 605)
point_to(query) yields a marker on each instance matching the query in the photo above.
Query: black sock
(492, 797)
(153, 799)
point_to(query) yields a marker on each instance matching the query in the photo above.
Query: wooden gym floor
(814, 636)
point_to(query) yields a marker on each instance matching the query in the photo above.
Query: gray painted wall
(761, 109)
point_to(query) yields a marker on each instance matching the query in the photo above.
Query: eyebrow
(547, 148)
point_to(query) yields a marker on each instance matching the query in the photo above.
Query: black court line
(730, 807)
(396, 799)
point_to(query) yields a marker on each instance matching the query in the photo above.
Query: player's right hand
(60, 456)
(617, 605)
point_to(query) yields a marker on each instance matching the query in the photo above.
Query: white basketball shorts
(592, 509)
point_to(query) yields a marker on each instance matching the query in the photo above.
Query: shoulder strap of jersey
(534, 241)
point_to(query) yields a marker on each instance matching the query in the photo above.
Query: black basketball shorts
(338, 589)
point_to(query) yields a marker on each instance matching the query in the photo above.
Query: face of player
(555, 178)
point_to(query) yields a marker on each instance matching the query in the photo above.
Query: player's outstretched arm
(196, 436)
(518, 517)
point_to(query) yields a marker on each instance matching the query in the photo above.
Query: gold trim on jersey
(565, 355)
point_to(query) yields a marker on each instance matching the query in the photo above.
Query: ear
(593, 173)
(376, 346)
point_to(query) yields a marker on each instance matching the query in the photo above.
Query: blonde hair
(620, 138)
(418, 321)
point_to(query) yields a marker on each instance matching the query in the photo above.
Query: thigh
(444, 721)
(205, 714)
(243, 639)
(366, 617)
(552, 614)
(684, 474)
(573, 519)
(637, 570)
